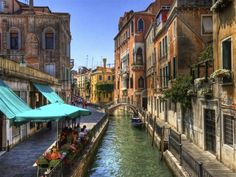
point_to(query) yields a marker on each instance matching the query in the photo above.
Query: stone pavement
(213, 166)
(18, 162)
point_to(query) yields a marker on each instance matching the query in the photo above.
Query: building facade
(102, 85)
(20, 79)
(214, 116)
(83, 83)
(182, 31)
(39, 38)
(130, 54)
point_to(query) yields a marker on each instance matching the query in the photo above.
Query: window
(100, 77)
(49, 40)
(131, 82)
(175, 29)
(141, 82)
(109, 78)
(14, 40)
(228, 129)
(50, 69)
(140, 25)
(139, 56)
(132, 27)
(169, 71)
(159, 19)
(15, 131)
(226, 54)
(207, 25)
(161, 78)
(174, 67)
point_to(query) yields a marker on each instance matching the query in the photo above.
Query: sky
(94, 24)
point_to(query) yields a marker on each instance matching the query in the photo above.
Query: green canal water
(126, 151)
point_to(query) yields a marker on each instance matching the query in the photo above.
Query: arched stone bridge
(115, 105)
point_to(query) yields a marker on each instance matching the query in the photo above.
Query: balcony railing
(9, 67)
(137, 67)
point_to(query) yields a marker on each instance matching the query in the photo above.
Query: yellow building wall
(101, 98)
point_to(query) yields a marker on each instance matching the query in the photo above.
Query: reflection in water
(127, 152)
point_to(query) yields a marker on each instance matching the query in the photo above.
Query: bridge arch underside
(130, 107)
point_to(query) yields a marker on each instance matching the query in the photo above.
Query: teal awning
(49, 93)
(10, 103)
(52, 112)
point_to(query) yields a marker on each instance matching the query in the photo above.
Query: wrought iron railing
(194, 167)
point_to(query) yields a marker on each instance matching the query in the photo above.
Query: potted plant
(220, 73)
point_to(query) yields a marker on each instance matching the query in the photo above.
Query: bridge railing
(128, 101)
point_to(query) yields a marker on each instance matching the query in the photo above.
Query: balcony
(137, 67)
(11, 68)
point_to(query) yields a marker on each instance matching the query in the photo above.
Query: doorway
(210, 130)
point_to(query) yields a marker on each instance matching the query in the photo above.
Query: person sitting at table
(62, 141)
(55, 154)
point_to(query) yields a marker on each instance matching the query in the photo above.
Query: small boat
(136, 122)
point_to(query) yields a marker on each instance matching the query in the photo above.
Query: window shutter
(43, 40)
(8, 40)
(19, 40)
(227, 54)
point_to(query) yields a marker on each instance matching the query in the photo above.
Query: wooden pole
(153, 131)
(162, 141)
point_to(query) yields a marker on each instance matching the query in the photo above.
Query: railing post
(200, 170)
(180, 155)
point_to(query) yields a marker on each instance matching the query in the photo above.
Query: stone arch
(140, 25)
(112, 108)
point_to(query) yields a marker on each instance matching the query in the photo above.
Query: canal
(126, 151)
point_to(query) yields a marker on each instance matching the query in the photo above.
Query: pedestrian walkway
(18, 162)
(213, 166)
(209, 161)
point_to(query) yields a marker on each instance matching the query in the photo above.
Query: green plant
(104, 87)
(206, 54)
(179, 90)
(220, 73)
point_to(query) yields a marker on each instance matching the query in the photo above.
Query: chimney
(31, 4)
(104, 62)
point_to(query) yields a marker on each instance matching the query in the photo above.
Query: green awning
(10, 103)
(49, 93)
(52, 112)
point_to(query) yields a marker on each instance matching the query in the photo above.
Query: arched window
(141, 82)
(139, 57)
(132, 26)
(140, 25)
(14, 39)
(49, 38)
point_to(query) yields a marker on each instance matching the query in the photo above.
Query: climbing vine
(179, 91)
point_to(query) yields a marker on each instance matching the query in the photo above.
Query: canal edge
(171, 161)
(87, 158)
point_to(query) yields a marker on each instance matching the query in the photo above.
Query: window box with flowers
(192, 92)
(224, 76)
(206, 92)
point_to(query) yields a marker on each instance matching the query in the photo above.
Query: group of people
(70, 138)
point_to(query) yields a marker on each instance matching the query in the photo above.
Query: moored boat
(136, 122)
